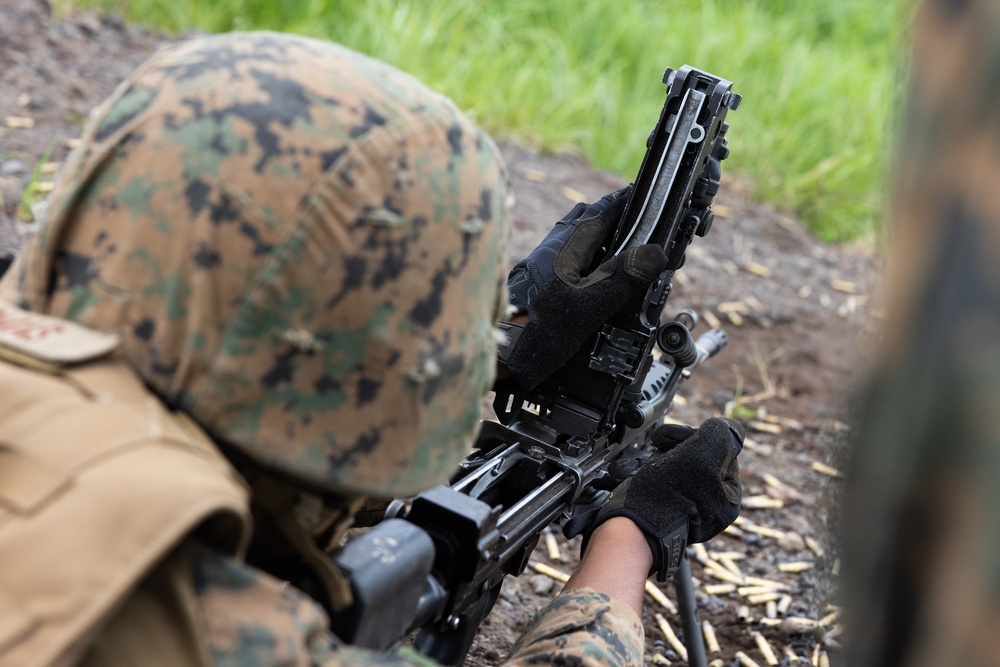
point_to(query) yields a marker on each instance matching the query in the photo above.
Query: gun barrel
(709, 344)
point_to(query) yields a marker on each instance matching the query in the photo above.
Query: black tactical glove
(688, 494)
(564, 303)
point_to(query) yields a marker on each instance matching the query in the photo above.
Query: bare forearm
(617, 562)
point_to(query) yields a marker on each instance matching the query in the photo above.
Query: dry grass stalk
(20, 122)
(711, 320)
(733, 307)
(763, 427)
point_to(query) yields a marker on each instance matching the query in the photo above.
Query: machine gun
(437, 562)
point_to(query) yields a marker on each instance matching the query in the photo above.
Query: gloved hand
(564, 303)
(689, 493)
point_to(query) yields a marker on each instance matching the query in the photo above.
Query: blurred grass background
(820, 80)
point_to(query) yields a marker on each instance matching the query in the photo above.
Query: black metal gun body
(549, 457)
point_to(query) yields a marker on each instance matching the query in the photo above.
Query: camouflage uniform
(922, 568)
(304, 250)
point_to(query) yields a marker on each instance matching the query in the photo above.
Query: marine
(266, 290)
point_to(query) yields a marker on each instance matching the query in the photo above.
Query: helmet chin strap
(288, 509)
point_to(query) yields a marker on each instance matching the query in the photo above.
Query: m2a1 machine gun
(437, 562)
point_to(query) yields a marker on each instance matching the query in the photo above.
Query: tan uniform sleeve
(581, 627)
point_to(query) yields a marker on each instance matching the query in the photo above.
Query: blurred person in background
(922, 552)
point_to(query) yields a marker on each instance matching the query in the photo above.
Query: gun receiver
(550, 463)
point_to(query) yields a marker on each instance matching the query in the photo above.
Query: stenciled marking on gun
(384, 550)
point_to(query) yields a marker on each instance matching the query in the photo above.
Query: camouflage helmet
(303, 249)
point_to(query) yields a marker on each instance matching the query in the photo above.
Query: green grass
(820, 79)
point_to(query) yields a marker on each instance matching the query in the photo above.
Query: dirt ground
(798, 314)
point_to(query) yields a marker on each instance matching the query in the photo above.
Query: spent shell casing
(745, 660)
(764, 531)
(815, 547)
(730, 565)
(718, 589)
(552, 547)
(765, 649)
(661, 599)
(770, 583)
(829, 618)
(800, 623)
(762, 503)
(795, 566)
(671, 638)
(824, 469)
(550, 572)
(719, 572)
(711, 640)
